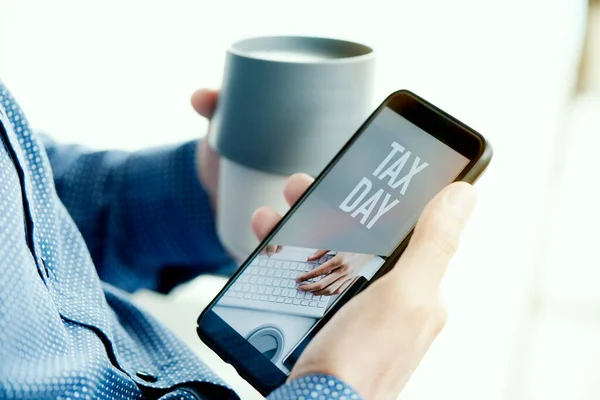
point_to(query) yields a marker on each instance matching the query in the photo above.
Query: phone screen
(344, 230)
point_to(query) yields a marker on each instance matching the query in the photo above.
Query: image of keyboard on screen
(270, 284)
(285, 290)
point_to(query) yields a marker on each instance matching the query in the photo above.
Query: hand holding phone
(390, 325)
(345, 233)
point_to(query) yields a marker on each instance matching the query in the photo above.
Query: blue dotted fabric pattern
(70, 218)
(319, 387)
(64, 333)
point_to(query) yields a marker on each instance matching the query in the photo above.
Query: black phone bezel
(226, 342)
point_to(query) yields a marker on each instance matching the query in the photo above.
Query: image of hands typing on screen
(285, 290)
(325, 273)
(296, 280)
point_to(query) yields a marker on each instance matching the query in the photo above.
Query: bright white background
(119, 74)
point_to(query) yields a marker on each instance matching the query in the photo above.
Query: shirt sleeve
(318, 387)
(144, 215)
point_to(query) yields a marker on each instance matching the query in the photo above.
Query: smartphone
(349, 227)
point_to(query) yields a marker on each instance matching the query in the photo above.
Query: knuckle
(339, 290)
(440, 319)
(423, 310)
(420, 309)
(437, 317)
(443, 239)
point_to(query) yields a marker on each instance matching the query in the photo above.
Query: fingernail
(461, 199)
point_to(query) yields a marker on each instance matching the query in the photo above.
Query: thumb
(204, 102)
(436, 236)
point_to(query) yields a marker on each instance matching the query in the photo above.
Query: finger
(295, 186)
(271, 250)
(436, 237)
(343, 287)
(263, 221)
(321, 283)
(322, 269)
(332, 288)
(318, 254)
(204, 102)
(278, 249)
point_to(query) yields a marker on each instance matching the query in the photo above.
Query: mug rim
(244, 48)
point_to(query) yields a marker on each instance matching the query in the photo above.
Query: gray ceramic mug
(287, 104)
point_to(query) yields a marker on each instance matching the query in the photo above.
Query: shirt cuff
(166, 221)
(320, 387)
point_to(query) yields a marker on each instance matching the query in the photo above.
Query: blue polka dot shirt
(78, 230)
